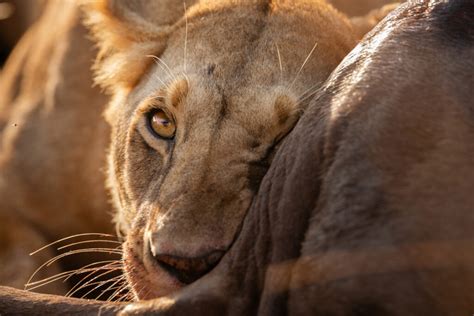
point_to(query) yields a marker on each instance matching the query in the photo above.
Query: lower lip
(148, 280)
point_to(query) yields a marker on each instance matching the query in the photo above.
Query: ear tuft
(126, 32)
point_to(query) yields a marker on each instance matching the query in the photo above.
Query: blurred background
(15, 17)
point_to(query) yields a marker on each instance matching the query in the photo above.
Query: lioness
(202, 95)
(387, 228)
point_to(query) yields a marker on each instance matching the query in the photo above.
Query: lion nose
(185, 269)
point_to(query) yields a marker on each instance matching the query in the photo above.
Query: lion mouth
(153, 273)
(188, 270)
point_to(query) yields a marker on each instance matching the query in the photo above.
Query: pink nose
(188, 269)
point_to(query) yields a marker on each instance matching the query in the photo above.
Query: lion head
(202, 96)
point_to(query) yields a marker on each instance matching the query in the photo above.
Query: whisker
(42, 282)
(101, 283)
(125, 298)
(98, 285)
(109, 251)
(30, 288)
(185, 35)
(120, 289)
(130, 297)
(89, 241)
(304, 63)
(117, 290)
(165, 85)
(311, 94)
(108, 262)
(85, 278)
(280, 63)
(88, 283)
(66, 274)
(308, 96)
(70, 237)
(113, 286)
(310, 90)
(72, 252)
(161, 64)
(34, 285)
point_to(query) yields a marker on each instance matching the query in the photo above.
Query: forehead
(246, 54)
(256, 43)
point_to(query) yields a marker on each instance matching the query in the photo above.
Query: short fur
(234, 91)
(387, 228)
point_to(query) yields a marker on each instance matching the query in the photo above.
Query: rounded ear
(126, 32)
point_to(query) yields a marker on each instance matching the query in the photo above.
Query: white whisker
(311, 90)
(185, 35)
(89, 241)
(79, 283)
(161, 63)
(304, 63)
(280, 63)
(34, 285)
(108, 263)
(69, 237)
(99, 284)
(309, 95)
(88, 283)
(120, 289)
(67, 274)
(113, 286)
(72, 252)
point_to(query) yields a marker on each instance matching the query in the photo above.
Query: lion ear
(126, 32)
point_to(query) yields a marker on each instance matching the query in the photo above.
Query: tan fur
(367, 207)
(236, 75)
(185, 199)
(359, 8)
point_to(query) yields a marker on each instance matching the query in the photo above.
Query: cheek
(143, 168)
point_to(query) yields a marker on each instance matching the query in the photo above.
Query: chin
(147, 280)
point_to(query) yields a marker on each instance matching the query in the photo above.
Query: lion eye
(162, 124)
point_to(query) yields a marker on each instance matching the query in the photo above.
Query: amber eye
(162, 124)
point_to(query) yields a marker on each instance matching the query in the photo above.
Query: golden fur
(241, 88)
(235, 75)
(386, 226)
(359, 8)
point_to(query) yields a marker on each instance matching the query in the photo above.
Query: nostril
(188, 269)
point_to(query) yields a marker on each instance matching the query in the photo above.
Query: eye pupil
(162, 124)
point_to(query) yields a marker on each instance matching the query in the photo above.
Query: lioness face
(193, 139)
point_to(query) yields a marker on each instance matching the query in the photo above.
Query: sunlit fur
(235, 91)
(236, 75)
